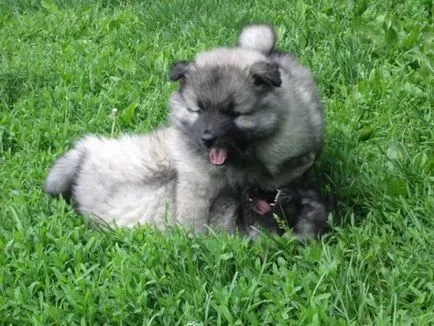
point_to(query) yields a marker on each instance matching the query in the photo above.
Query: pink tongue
(217, 156)
(262, 207)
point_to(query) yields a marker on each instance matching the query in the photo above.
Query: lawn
(64, 65)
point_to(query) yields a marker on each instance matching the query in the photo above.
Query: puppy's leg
(193, 201)
(225, 211)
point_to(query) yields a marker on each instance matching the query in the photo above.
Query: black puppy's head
(304, 211)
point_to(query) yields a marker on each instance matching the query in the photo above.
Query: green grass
(65, 64)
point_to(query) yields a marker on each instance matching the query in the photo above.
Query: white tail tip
(259, 37)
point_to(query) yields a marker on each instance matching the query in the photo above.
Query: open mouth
(218, 156)
(264, 202)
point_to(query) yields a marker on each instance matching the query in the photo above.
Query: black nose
(207, 138)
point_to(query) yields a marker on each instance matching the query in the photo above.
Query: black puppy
(305, 211)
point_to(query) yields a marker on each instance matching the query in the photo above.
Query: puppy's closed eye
(233, 114)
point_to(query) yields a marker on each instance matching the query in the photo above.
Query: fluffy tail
(61, 176)
(259, 37)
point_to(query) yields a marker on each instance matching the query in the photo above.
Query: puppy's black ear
(178, 70)
(266, 73)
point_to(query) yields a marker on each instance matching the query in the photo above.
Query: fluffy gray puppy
(242, 116)
(252, 108)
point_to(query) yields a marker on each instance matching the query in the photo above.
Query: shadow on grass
(338, 171)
